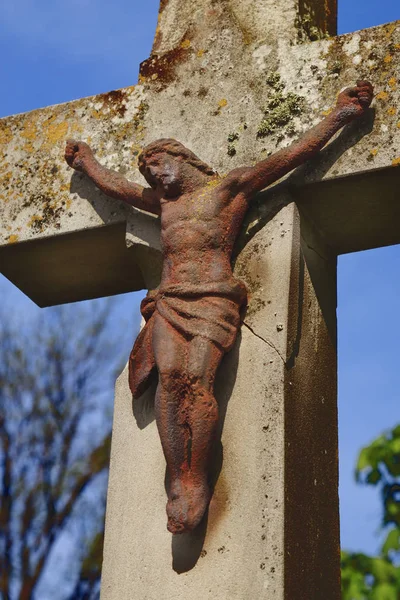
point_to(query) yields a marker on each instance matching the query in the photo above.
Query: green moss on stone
(279, 111)
(232, 137)
(274, 80)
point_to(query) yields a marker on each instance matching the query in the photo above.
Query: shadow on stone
(270, 201)
(143, 407)
(187, 548)
(107, 208)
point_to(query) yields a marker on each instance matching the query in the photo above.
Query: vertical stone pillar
(272, 527)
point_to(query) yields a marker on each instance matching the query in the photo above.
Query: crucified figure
(193, 317)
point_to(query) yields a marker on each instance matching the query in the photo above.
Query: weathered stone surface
(222, 85)
(40, 199)
(216, 105)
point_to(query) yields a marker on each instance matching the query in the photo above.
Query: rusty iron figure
(192, 319)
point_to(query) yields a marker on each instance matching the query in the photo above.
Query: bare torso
(198, 231)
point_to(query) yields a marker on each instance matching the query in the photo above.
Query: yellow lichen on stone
(6, 178)
(95, 114)
(136, 149)
(56, 132)
(396, 162)
(222, 103)
(382, 96)
(388, 58)
(29, 131)
(392, 111)
(34, 219)
(392, 82)
(374, 152)
(200, 53)
(325, 113)
(186, 44)
(6, 135)
(47, 122)
(13, 238)
(391, 29)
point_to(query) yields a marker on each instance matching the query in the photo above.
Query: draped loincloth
(209, 310)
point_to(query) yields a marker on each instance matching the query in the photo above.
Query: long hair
(175, 148)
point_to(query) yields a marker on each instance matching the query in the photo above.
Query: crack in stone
(270, 344)
(324, 258)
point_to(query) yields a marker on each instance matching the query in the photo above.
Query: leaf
(395, 445)
(392, 508)
(374, 477)
(384, 591)
(382, 569)
(392, 541)
(363, 460)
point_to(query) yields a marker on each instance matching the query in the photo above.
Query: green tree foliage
(57, 373)
(378, 578)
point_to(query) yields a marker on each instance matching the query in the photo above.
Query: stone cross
(233, 80)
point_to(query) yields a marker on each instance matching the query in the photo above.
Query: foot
(188, 501)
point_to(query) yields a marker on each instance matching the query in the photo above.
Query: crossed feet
(187, 503)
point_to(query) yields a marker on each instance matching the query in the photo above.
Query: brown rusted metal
(192, 319)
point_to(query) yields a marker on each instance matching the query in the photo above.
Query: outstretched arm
(351, 104)
(80, 157)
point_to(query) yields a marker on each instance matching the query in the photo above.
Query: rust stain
(163, 5)
(115, 101)
(164, 65)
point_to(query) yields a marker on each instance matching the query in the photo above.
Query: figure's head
(167, 163)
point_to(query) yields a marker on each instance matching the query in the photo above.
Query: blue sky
(54, 51)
